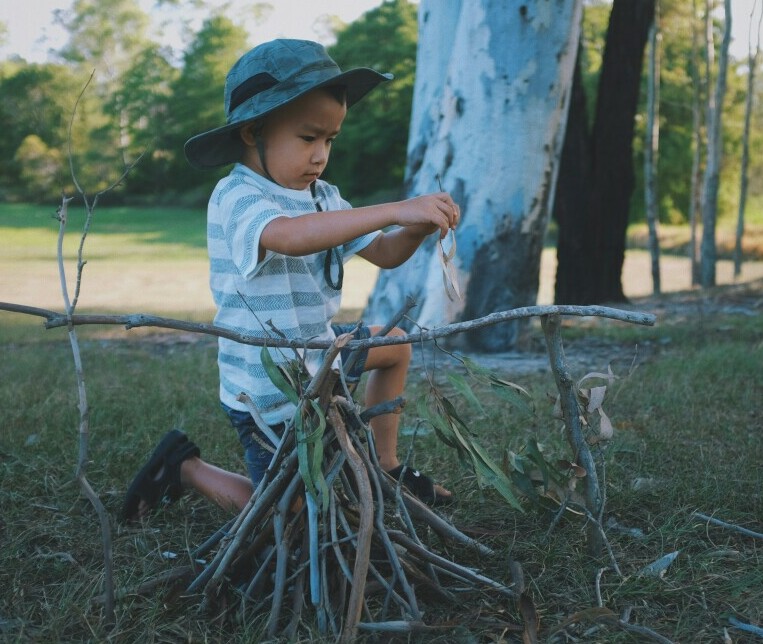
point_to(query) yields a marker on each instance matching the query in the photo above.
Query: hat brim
(223, 146)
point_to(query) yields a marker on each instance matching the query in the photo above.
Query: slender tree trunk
(713, 167)
(572, 192)
(491, 132)
(695, 204)
(651, 150)
(592, 241)
(752, 63)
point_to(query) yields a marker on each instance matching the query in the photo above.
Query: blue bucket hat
(266, 78)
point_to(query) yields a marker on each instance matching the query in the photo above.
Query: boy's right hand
(428, 213)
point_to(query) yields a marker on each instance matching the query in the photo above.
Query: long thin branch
(54, 319)
(84, 423)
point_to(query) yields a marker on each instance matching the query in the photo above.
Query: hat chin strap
(261, 152)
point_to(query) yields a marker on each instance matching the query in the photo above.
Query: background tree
(369, 155)
(714, 151)
(36, 102)
(491, 128)
(105, 38)
(140, 106)
(142, 98)
(695, 206)
(196, 102)
(651, 149)
(752, 64)
(593, 223)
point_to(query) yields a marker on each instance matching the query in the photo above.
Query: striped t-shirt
(289, 293)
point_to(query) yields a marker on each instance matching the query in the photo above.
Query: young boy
(277, 239)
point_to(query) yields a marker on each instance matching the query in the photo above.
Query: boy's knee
(404, 350)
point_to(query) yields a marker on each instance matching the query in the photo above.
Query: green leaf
(474, 368)
(524, 484)
(441, 428)
(536, 456)
(276, 377)
(512, 396)
(303, 455)
(496, 477)
(463, 387)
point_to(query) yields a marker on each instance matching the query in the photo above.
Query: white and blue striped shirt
(291, 293)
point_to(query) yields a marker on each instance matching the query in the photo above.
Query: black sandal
(154, 488)
(420, 485)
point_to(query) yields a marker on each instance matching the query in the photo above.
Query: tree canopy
(143, 98)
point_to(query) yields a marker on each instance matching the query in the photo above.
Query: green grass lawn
(687, 438)
(688, 427)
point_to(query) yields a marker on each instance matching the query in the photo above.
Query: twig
(365, 528)
(643, 630)
(395, 627)
(574, 428)
(728, 526)
(748, 628)
(600, 572)
(283, 537)
(84, 424)
(381, 533)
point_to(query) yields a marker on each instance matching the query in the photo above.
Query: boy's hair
(268, 77)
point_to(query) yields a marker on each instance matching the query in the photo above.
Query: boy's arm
(319, 231)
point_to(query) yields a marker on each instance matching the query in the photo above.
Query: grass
(687, 421)
(687, 438)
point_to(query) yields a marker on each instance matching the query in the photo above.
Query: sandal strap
(419, 484)
(182, 453)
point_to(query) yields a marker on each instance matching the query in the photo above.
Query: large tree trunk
(492, 87)
(591, 247)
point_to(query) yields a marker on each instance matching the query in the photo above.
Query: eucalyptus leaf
(277, 377)
(462, 386)
(512, 396)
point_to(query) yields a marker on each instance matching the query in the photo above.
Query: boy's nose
(320, 155)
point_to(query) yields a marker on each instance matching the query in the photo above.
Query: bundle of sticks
(328, 531)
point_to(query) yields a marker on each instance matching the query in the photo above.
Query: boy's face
(298, 138)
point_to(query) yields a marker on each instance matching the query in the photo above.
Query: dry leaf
(596, 398)
(659, 567)
(449, 274)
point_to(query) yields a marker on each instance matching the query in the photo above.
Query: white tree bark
(651, 151)
(493, 80)
(695, 205)
(752, 63)
(713, 167)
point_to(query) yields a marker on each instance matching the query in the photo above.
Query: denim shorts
(258, 457)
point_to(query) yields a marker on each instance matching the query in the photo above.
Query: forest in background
(142, 100)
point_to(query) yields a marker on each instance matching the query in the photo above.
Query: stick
(729, 526)
(574, 428)
(365, 529)
(55, 319)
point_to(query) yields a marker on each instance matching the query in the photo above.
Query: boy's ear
(249, 133)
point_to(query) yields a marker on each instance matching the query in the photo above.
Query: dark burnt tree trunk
(592, 203)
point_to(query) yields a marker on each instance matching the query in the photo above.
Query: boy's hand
(429, 213)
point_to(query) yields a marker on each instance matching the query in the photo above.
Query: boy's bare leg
(229, 490)
(388, 369)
